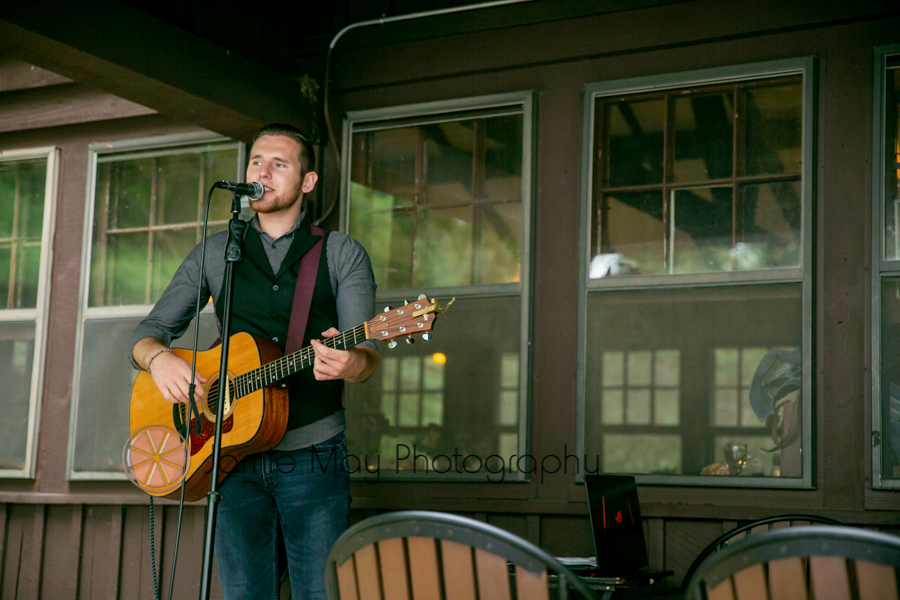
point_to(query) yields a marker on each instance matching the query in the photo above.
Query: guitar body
(253, 423)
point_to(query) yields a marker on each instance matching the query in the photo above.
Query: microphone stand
(234, 253)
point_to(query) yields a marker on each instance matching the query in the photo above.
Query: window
(886, 278)
(27, 200)
(440, 196)
(146, 203)
(696, 279)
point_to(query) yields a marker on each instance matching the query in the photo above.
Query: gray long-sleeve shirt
(352, 283)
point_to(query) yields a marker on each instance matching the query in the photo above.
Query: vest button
(274, 315)
(275, 287)
(274, 339)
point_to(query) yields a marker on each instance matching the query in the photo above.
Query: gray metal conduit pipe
(382, 21)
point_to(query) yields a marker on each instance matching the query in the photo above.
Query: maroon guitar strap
(303, 292)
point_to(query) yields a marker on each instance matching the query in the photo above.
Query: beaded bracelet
(155, 355)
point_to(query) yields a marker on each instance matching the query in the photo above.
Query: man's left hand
(355, 364)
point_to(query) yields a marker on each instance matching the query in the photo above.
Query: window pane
(386, 234)
(169, 249)
(892, 164)
(704, 137)
(178, 189)
(632, 237)
(448, 161)
(702, 226)
(16, 357)
(221, 165)
(386, 161)
(126, 269)
(131, 186)
(503, 158)
(105, 381)
(633, 147)
(769, 225)
(444, 247)
(137, 200)
(22, 190)
(628, 453)
(28, 270)
(773, 129)
(704, 346)
(890, 379)
(454, 416)
(499, 241)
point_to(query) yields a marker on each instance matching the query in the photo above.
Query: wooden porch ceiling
(112, 47)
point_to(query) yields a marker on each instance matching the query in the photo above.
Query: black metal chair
(802, 562)
(739, 533)
(432, 555)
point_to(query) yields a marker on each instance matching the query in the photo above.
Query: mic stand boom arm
(234, 253)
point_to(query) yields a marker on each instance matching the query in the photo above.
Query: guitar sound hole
(180, 416)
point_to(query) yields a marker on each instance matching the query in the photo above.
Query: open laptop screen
(616, 523)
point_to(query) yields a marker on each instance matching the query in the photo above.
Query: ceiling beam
(112, 47)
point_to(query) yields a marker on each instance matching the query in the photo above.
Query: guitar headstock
(413, 317)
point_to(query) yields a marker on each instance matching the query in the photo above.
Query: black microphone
(253, 190)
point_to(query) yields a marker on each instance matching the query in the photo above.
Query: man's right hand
(171, 374)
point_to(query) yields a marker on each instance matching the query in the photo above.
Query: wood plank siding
(62, 539)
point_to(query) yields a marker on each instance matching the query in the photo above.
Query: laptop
(616, 525)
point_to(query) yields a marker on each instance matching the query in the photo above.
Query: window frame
(171, 144)
(42, 305)
(443, 111)
(805, 68)
(882, 267)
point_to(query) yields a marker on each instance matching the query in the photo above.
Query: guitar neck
(286, 366)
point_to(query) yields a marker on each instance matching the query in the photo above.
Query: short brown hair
(307, 152)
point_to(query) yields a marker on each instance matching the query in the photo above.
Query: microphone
(253, 190)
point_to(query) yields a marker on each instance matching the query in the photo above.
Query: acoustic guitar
(165, 450)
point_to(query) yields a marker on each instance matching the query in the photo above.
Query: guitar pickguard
(209, 430)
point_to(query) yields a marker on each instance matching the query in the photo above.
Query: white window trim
(882, 267)
(441, 111)
(123, 150)
(806, 67)
(40, 313)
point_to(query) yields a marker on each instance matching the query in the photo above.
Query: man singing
(277, 490)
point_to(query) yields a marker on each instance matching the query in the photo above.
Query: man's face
(275, 163)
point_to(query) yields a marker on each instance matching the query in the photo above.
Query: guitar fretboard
(288, 365)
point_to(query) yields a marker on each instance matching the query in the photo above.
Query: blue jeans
(305, 493)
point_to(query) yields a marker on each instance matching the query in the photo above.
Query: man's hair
(307, 152)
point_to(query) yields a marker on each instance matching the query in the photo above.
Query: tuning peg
(410, 341)
(392, 344)
(405, 302)
(426, 336)
(387, 309)
(422, 297)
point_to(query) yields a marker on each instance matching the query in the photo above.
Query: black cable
(153, 553)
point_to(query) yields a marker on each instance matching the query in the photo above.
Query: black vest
(262, 307)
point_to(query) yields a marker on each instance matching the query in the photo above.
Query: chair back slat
(423, 555)
(530, 586)
(787, 578)
(459, 572)
(492, 574)
(750, 583)
(876, 582)
(828, 579)
(394, 580)
(346, 578)
(423, 567)
(759, 529)
(367, 578)
(723, 591)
